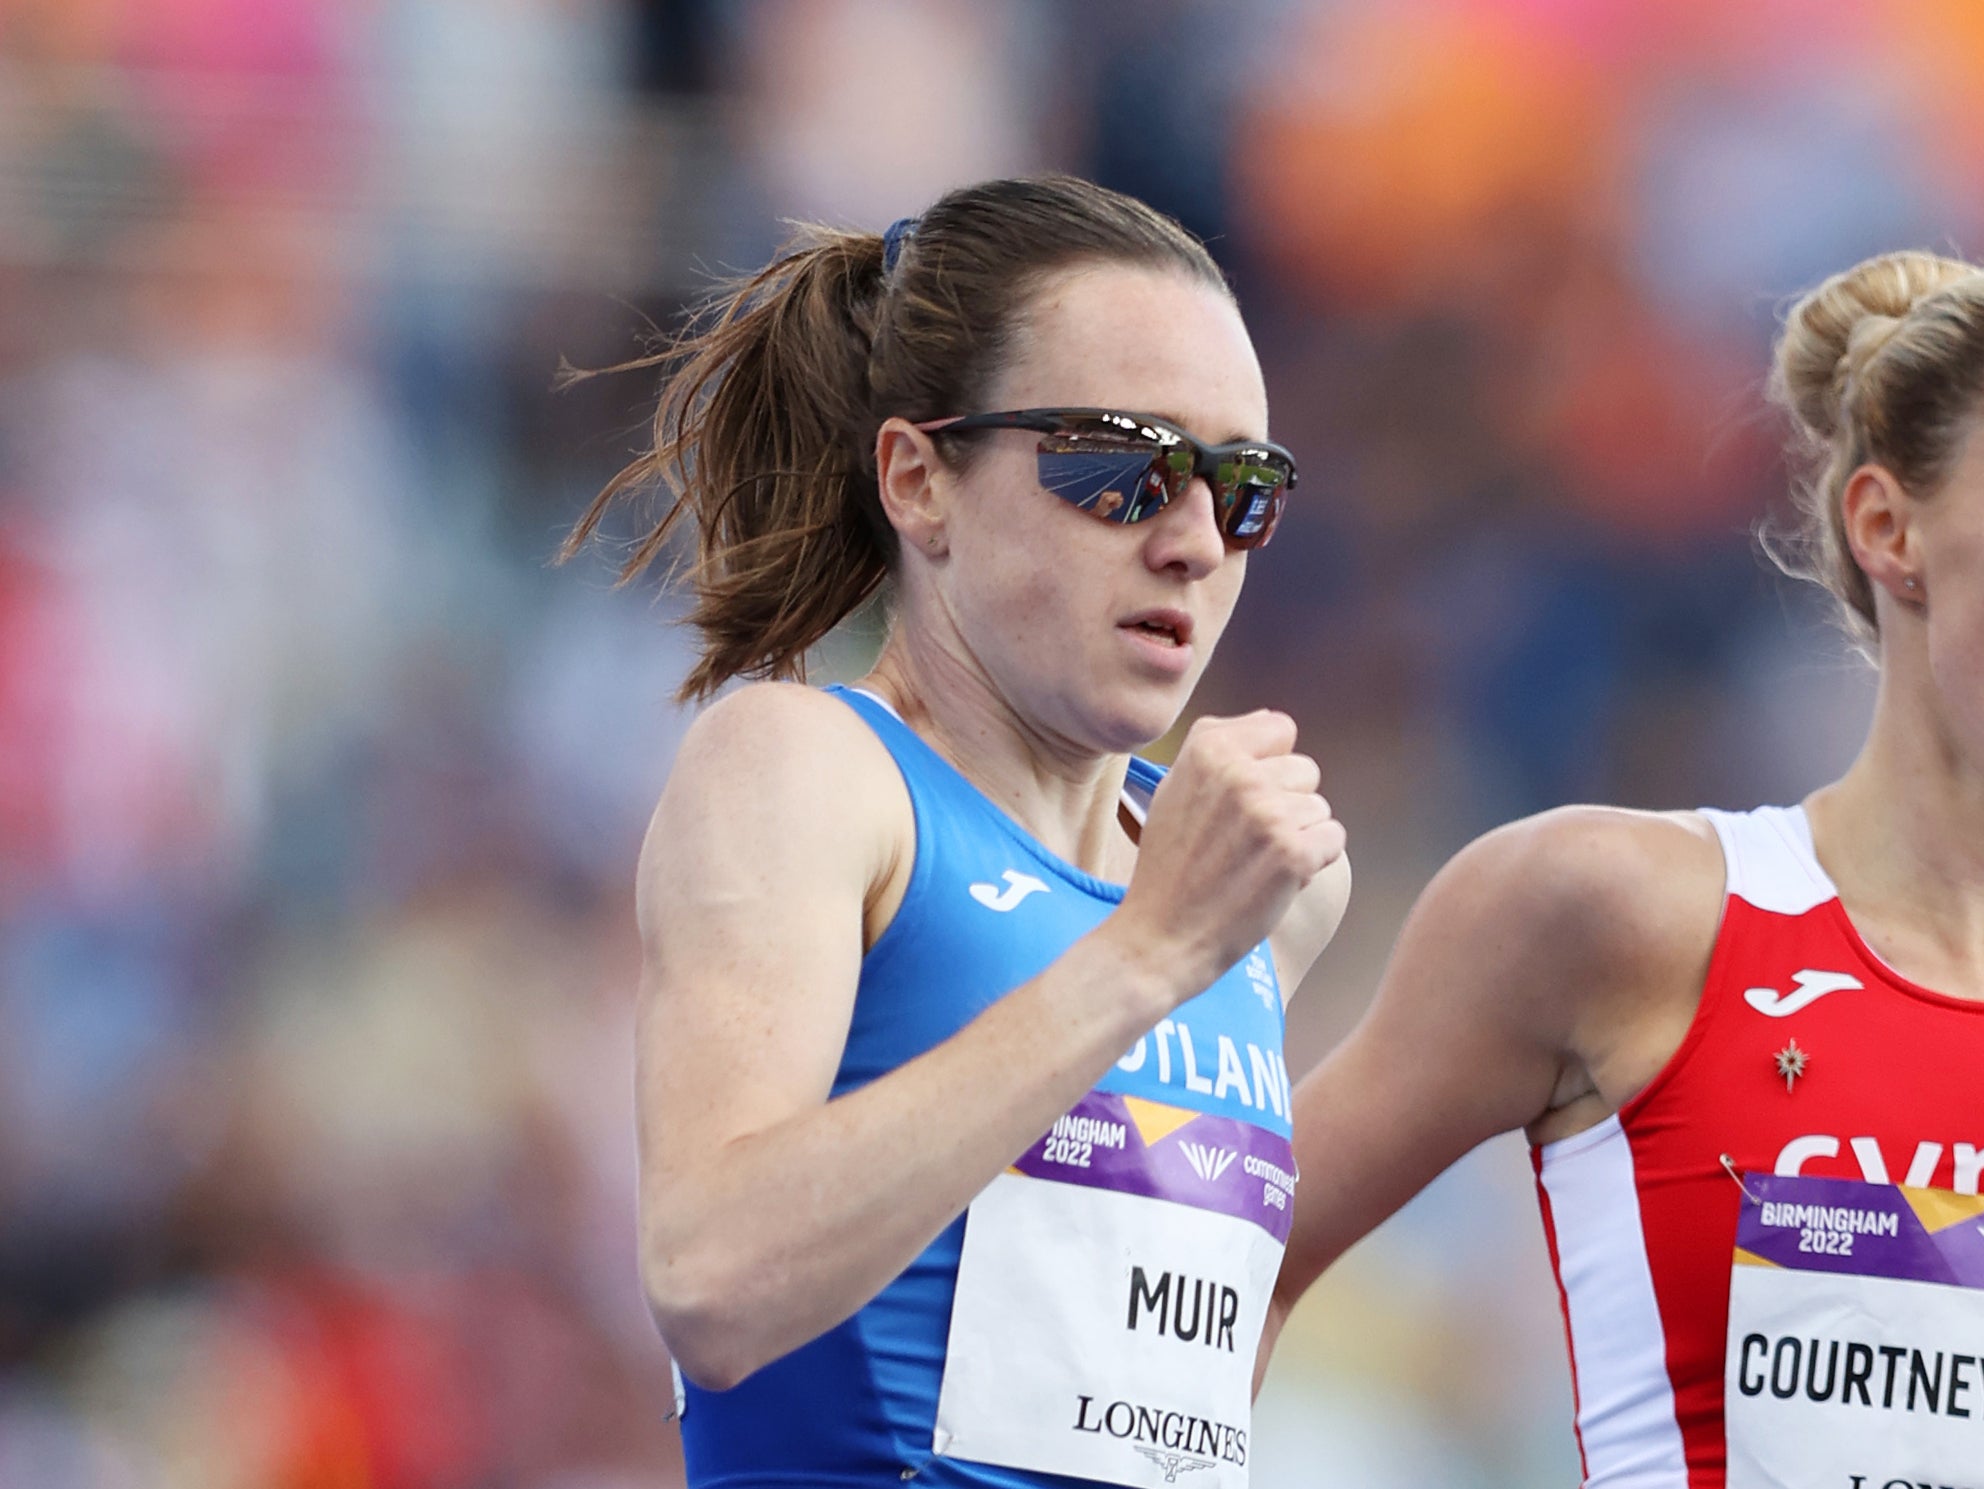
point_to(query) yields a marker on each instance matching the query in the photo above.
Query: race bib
(1856, 1337)
(1110, 1297)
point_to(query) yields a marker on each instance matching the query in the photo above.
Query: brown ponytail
(757, 431)
(774, 392)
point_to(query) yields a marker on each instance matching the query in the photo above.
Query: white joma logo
(1018, 887)
(1208, 1163)
(1809, 987)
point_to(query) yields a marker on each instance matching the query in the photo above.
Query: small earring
(1912, 582)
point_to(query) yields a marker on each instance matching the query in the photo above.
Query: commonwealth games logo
(1207, 1163)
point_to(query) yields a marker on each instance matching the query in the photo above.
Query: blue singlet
(986, 909)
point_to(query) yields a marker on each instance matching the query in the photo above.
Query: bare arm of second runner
(1542, 979)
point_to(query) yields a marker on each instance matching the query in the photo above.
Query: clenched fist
(1235, 831)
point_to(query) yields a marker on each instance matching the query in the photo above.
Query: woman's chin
(1139, 723)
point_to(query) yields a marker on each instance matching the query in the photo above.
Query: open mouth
(1166, 627)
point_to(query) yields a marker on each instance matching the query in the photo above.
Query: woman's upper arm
(1546, 944)
(781, 815)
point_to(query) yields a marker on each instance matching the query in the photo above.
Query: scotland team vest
(1772, 1258)
(1093, 1316)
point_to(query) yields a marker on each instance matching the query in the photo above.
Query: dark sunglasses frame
(1176, 457)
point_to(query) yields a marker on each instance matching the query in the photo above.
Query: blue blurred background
(320, 792)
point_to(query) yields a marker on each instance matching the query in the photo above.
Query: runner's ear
(916, 487)
(1877, 513)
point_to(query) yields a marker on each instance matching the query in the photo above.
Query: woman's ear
(916, 487)
(1878, 515)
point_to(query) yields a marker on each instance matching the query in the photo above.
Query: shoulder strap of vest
(1769, 860)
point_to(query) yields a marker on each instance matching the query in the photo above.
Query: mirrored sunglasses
(1124, 467)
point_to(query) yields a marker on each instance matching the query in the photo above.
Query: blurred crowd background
(320, 789)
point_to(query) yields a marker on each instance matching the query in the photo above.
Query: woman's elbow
(697, 1311)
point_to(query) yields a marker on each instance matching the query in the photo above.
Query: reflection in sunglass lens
(1107, 478)
(1250, 497)
(1126, 467)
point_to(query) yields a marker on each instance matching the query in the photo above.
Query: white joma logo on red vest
(1968, 1159)
(1807, 987)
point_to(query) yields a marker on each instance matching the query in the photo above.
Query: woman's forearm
(780, 1234)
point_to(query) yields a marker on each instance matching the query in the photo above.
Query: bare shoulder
(1590, 883)
(1542, 978)
(1594, 926)
(784, 750)
(783, 780)
(772, 731)
(1584, 932)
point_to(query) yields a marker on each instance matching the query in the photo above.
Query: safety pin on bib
(1729, 1167)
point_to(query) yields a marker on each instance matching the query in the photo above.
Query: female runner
(963, 1112)
(1746, 1047)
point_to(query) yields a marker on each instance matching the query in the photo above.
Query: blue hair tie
(900, 232)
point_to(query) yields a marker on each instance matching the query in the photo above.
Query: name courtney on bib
(1856, 1337)
(1112, 1290)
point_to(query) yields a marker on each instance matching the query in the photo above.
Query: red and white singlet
(1641, 1211)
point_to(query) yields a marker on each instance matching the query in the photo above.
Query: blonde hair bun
(1842, 325)
(1882, 363)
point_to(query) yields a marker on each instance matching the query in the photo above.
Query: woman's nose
(1186, 533)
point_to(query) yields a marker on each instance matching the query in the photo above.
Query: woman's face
(1094, 633)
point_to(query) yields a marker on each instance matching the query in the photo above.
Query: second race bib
(1856, 1337)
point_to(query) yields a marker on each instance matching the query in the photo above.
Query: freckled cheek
(1035, 609)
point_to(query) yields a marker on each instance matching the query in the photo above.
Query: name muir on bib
(1161, 1303)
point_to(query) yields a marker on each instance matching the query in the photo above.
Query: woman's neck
(1902, 835)
(1065, 795)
